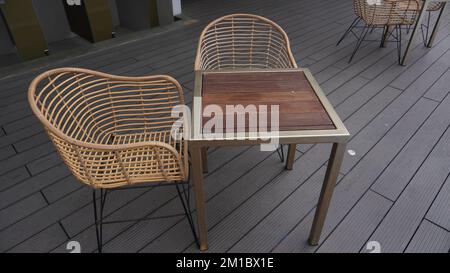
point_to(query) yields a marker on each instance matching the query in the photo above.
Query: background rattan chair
(113, 131)
(244, 41)
(433, 7)
(390, 15)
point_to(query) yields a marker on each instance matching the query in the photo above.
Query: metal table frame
(419, 23)
(337, 136)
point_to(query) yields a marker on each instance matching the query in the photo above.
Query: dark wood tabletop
(299, 106)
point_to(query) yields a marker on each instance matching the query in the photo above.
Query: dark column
(91, 19)
(24, 28)
(144, 14)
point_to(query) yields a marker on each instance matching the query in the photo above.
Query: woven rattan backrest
(111, 130)
(243, 41)
(386, 12)
(434, 6)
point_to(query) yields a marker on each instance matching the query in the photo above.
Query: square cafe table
(305, 116)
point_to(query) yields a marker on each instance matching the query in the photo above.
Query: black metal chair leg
(425, 33)
(99, 205)
(352, 25)
(385, 36)
(98, 216)
(280, 152)
(185, 202)
(398, 31)
(364, 32)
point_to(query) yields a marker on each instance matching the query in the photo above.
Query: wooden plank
(14, 116)
(21, 135)
(55, 191)
(13, 107)
(439, 211)
(326, 74)
(13, 177)
(398, 174)
(15, 126)
(21, 210)
(396, 230)
(358, 64)
(361, 107)
(32, 185)
(42, 219)
(293, 206)
(404, 101)
(352, 233)
(416, 71)
(429, 238)
(299, 106)
(19, 160)
(31, 141)
(43, 241)
(6, 152)
(440, 89)
(44, 162)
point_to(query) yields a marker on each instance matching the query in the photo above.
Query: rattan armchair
(112, 131)
(239, 41)
(433, 7)
(390, 15)
(243, 41)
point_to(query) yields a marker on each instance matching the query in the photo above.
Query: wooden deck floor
(395, 189)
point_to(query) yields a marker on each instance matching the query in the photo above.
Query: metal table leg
(197, 176)
(291, 156)
(334, 165)
(205, 159)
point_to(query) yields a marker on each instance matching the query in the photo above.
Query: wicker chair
(244, 41)
(433, 7)
(390, 15)
(113, 131)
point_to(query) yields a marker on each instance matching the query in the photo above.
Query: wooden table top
(299, 106)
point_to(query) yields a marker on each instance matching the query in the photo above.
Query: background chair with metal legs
(389, 15)
(114, 132)
(244, 41)
(433, 7)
